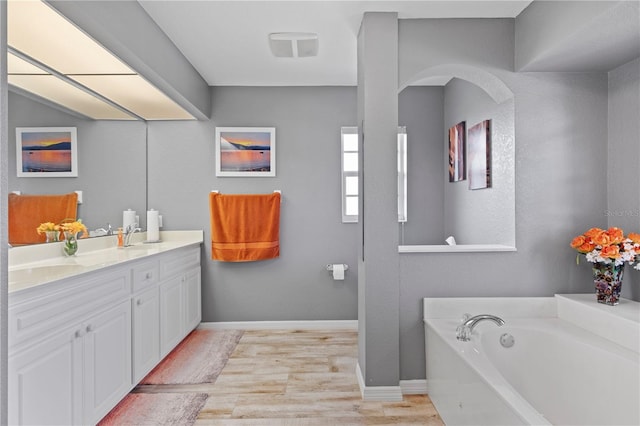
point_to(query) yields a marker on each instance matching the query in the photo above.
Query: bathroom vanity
(84, 330)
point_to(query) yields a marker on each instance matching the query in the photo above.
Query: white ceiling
(227, 41)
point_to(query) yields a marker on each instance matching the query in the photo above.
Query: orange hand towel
(245, 227)
(27, 212)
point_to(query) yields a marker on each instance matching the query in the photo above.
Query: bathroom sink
(143, 246)
(44, 273)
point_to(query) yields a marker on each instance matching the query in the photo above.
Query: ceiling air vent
(293, 45)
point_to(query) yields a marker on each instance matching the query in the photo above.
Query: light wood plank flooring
(285, 377)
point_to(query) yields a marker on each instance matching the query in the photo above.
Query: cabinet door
(45, 381)
(193, 308)
(107, 360)
(171, 314)
(146, 332)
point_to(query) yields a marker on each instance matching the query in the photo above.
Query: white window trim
(345, 217)
(402, 174)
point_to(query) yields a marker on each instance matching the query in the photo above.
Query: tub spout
(463, 332)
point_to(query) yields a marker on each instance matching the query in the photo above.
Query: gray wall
(481, 216)
(297, 285)
(560, 125)
(420, 109)
(378, 268)
(623, 181)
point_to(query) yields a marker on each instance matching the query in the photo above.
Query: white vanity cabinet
(69, 355)
(180, 307)
(78, 345)
(145, 305)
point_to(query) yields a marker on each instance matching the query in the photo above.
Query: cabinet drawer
(179, 262)
(80, 297)
(145, 275)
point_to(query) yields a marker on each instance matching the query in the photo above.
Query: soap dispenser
(120, 238)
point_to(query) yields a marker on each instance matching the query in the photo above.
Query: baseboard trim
(283, 325)
(377, 393)
(414, 387)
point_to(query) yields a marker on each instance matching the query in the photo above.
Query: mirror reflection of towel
(245, 227)
(27, 212)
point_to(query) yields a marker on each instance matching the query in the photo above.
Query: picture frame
(46, 152)
(457, 153)
(245, 151)
(479, 146)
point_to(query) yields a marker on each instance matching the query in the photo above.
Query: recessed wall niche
(479, 220)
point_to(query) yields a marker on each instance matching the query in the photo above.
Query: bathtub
(557, 372)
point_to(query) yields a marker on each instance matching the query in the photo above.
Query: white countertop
(34, 265)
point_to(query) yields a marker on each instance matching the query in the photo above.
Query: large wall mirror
(478, 219)
(112, 165)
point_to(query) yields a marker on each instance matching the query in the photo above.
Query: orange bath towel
(245, 227)
(27, 212)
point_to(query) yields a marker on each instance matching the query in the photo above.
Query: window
(349, 141)
(349, 174)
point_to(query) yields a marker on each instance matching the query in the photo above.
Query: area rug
(142, 409)
(199, 358)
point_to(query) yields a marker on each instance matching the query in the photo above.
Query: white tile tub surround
(466, 385)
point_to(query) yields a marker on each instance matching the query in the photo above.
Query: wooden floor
(299, 378)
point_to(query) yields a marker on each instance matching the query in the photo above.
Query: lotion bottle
(120, 238)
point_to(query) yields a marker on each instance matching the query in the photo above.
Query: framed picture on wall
(246, 151)
(46, 152)
(457, 170)
(479, 142)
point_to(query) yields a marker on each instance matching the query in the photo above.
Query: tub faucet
(128, 232)
(463, 332)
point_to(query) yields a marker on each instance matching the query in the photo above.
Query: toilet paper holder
(330, 267)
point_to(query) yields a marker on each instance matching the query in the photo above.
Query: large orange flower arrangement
(610, 246)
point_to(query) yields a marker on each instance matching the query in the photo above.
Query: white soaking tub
(563, 368)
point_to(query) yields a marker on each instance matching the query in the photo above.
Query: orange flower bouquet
(610, 246)
(608, 251)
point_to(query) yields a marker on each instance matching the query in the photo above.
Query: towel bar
(77, 192)
(275, 190)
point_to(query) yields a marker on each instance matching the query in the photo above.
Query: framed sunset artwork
(46, 152)
(246, 151)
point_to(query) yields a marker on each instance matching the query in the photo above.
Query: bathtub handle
(463, 333)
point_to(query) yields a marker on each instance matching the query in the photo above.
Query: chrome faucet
(463, 332)
(104, 231)
(128, 232)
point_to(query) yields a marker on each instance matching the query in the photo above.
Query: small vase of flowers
(71, 231)
(51, 231)
(609, 250)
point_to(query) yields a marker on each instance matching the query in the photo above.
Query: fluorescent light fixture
(293, 45)
(32, 79)
(55, 47)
